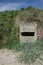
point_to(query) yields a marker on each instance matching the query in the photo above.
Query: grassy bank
(31, 52)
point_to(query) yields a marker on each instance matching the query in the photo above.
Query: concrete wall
(28, 27)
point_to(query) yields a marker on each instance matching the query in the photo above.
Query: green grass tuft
(31, 51)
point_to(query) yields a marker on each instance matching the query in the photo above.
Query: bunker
(28, 32)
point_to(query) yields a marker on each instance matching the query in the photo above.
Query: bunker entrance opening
(27, 33)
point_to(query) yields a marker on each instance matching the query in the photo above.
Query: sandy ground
(7, 57)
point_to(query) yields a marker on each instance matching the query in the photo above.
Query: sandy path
(7, 57)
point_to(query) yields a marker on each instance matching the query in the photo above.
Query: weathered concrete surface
(28, 27)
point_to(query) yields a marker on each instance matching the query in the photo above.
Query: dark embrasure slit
(27, 33)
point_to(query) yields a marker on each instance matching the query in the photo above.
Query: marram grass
(31, 52)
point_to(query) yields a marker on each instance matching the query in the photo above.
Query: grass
(31, 52)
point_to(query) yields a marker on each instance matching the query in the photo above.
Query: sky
(18, 4)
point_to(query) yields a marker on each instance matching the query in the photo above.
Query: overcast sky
(18, 4)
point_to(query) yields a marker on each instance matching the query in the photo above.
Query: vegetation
(8, 20)
(31, 52)
(9, 32)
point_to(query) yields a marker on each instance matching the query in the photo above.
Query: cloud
(11, 6)
(19, 5)
(3, 8)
